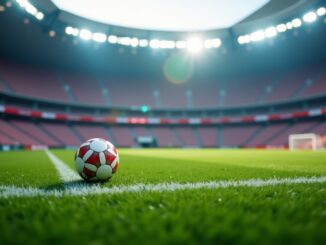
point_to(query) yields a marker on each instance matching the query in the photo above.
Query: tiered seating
(318, 87)
(30, 128)
(123, 136)
(141, 131)
(187, 137)
(208, 137)
(11, 132)
(320, 129)
(205, 94)
(237, 135)
(89, 132)
(288, 85)
(165, 137)
(128, 93)
(33, 82)
(298, 128)
(172, 95)
(245, 91)
(267, 133)
(84, 88)
(62, 133)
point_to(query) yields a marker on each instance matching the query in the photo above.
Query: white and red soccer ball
(97, 160)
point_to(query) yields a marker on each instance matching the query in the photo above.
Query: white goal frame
(315, 140)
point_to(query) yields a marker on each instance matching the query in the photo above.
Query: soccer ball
(97, 160)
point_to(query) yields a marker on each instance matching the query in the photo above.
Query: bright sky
(171, 15)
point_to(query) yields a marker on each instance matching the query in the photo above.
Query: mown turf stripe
(84, 189)
(66, 174)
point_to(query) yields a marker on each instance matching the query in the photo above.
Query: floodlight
(281, 28)
(309, 17)
(30, 9)
(296, 22)
(134, 42)
(257, 36)
(99, 37)
(112, 39)
(39, 15)
(289, 25)
(85, 34)
(124, 41)
(181, 44)
(143, 43)
(270, 32)
(166, 44)
(154, 43)
(195, 45)
(212, 43)
(321, 11)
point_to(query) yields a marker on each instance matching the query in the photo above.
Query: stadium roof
(167, 15)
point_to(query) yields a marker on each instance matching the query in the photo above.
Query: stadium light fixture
(195, 45)
(154, 43)
(289, 25)
(126, 41)
(99, 37)
(85, 34)
(281, 28)
(244, 39)
(112, 39)
(321, 11)
(134, 42)
(309, 17)
(270, 32)
(30, 8)
(143, 43)
(71, 31)
(212, 43)
(296, 22)
(180, 44)
(39, 15)
(166, 44)
(257, 36)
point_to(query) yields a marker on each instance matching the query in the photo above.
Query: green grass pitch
(280, 214)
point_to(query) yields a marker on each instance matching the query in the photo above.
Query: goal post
(305, 142)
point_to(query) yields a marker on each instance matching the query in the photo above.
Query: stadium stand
(30, 81)
(186, 136)
(165, 137)
(87, 89)
(208, 136)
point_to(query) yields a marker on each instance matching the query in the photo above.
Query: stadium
(215, 113)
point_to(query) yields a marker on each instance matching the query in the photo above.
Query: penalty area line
(84, 190)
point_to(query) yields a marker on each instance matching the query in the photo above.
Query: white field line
(66, 174)
(84, 189)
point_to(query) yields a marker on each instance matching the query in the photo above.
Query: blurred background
(215, 74)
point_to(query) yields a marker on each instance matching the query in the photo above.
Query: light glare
(99, 37)
(195, 45)
(113, 39)
(321, 11)
(181, 44)
(309, 17)
(270, 32)
(296, 22)
(281, 28)
(257, 36)
(85, 34)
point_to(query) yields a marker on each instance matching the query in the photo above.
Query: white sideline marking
(84, 189)
(66, 174)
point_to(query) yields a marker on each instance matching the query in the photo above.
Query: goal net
(305, 142)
